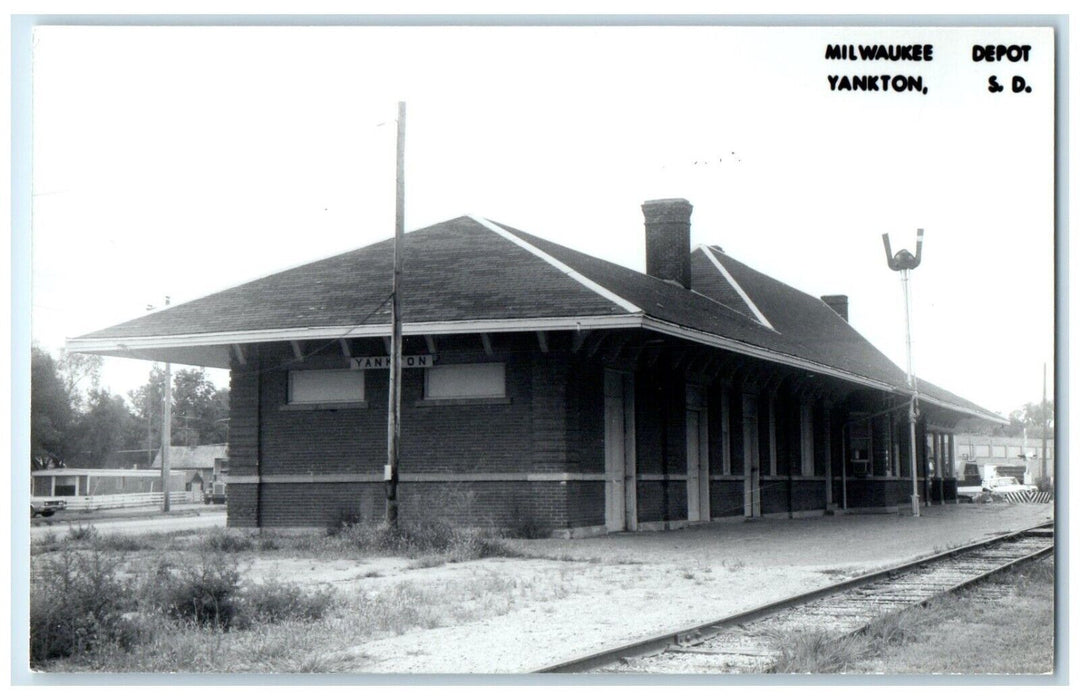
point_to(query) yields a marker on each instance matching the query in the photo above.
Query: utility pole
(149, 426)
(905, 262)
(166, 433)
(393, 424)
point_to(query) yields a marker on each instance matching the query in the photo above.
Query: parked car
(45, 507)
(1007, 484)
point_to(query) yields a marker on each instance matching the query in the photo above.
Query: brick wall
(659, 501)
(725, 499)
(548, 423)
(774, 496)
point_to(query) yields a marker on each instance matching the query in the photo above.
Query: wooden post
(393, 431)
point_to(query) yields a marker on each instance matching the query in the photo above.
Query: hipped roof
(472, 275)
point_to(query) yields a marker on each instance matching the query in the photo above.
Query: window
(478, 381)
(326, 386)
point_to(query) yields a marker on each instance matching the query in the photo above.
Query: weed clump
(423, 539)
(204, 594)
(818, 652)
(223, 540)
(274, 602)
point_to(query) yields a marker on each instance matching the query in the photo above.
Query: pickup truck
(1007, 484)
(45, 507)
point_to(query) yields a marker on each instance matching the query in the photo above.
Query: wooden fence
(127, 500)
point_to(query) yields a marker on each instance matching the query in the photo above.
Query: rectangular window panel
(326, 386)
(478, 381)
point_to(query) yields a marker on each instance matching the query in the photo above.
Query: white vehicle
(1007, 484)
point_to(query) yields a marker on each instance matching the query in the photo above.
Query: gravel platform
(620, 588)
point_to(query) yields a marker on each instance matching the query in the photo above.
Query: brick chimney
(838, 303)
(667, 239)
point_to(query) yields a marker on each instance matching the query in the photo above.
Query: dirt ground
(577, 596)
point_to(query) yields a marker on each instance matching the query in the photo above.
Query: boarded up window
(326, 386)
(478, 381)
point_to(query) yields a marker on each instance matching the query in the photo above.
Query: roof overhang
(965, 410)
(212, 349)
(216, 349)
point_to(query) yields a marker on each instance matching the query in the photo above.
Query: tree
(146, 402)
(1035, 417)
(105, 426)
(199, 409)
(81, 375)
(51, 410)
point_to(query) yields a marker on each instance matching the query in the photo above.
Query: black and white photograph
(642, 348)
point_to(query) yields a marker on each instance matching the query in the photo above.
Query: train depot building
(546, 386)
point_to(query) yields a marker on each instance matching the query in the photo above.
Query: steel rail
(660, 642)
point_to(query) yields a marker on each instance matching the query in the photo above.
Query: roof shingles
(465, 270)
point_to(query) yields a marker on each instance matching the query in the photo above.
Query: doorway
(620, 459)
(697, 456)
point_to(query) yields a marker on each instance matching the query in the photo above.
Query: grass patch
(282, 628)
(957, 633)
(221, 539)
(188, 607)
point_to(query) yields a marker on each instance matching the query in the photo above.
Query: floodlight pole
(905, 262)
(393, 430)
(166, 433)
(913, 410)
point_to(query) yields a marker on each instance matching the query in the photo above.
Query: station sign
(383, 362)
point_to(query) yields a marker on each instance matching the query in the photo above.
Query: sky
(179, 161)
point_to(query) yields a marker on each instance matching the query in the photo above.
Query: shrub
(81, 533)
(204, 594)
(77, 605)
(274, 602)
(525, 527)
(524, 522)
(223, 540)
(123, 543)
(1045, 483)
(346, 518)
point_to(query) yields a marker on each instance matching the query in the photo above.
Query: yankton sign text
(407, 362)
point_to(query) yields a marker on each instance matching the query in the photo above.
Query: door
(620, 484)
(693, 464)
(751, 457)
(697, 456)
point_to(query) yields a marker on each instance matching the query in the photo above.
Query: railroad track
(750, 642)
